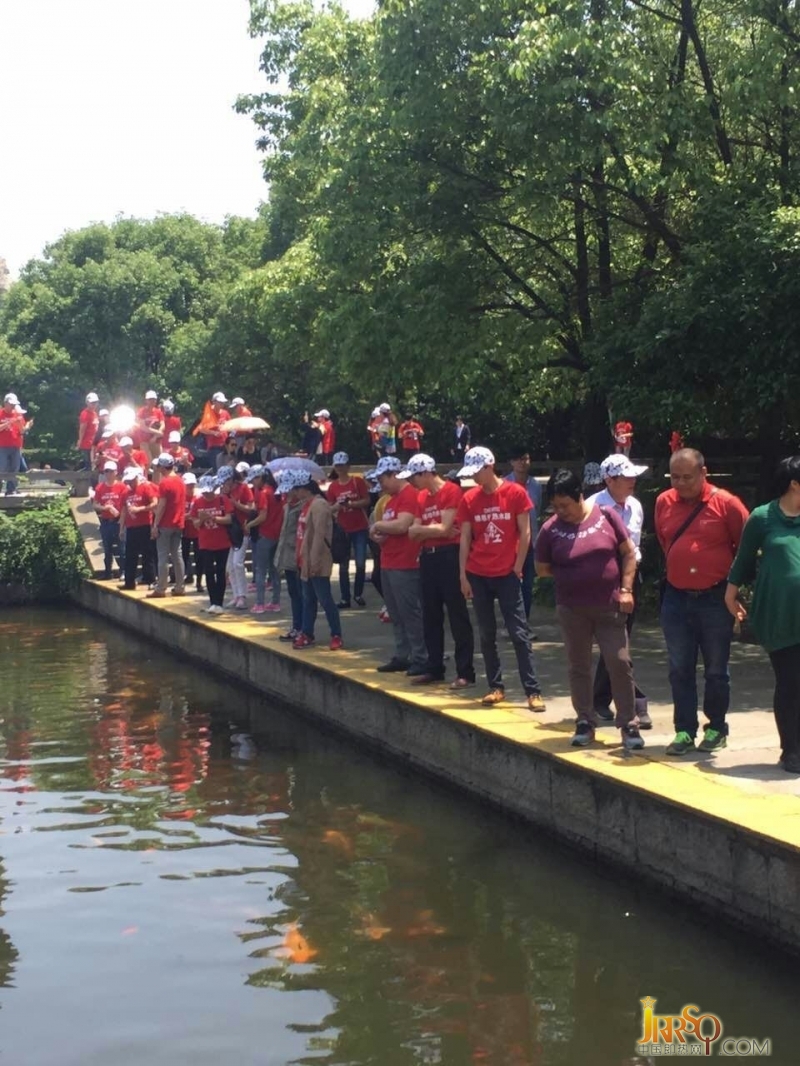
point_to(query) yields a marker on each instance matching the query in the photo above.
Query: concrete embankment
(723, 831)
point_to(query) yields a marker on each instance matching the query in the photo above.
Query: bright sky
(118, 107)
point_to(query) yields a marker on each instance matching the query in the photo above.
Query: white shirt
(630, 512)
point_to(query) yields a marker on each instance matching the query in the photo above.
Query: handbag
(236, 532)
(662, 585)
(340, 545)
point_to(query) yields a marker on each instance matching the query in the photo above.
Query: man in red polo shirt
(495, 537)
(699, 527)
(400, 569)
(438, 533)
(109, 496)
(88, 424)
(167, 530)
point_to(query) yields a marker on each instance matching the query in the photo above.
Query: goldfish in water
(295, 947)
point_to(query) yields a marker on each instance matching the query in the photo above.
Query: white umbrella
(296, 462)
(245, 424)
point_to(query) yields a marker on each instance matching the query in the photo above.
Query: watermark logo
(692, 1032)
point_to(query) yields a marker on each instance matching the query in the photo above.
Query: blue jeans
(508, 593)
(695, 623)
(317, 590)
(9, 466)
(358, 544)
(294, 586)
(264, 561)
(109, 535)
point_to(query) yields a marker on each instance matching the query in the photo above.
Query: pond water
(192, 875)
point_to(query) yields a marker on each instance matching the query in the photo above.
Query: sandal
(461, 682)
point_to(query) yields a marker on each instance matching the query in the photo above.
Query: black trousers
(213, 564)
(138, 544)
(191, 559)
(786, 701)
(602, 682)
(375, 577)
(441, 588)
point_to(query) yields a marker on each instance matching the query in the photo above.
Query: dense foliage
(41, 553)
(543, 214)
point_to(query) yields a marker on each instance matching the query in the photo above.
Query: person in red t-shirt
(135, 521)
(109, 497)
(172, 422)
(410, 433)
(237, 497)
(12, 429)
(150, 424)
(328, 444)
(265, 529)
(167, 529)
(699, 527)
(495, 537)
(438, 532)
(349, 499)
(88, 424)
(400, 570)
(239, 408)
(210, 517)
(623, 438)
(132, 456)
(214, 433)
(193, 574)
(182, 457)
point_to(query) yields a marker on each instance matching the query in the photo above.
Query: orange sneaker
(497, 695)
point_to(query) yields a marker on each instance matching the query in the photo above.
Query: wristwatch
(627, 590)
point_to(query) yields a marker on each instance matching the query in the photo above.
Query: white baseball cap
(126, 442)
(151, 394)
(323, 413)
(242, 468)
(110, 465)
(92, 397)
(476, 459)
(168, 406)
(620, 466)
(103, 411)
(11, 397)
(419, 464)
(189, 478)
(132, 472)
(108, 433)
(219, 397)
(340, 458)
(237, 401)
(384, 408)
(174, 437)
(375, 412)
(165, 459)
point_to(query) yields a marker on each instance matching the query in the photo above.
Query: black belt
(440, 548)
(694, 593)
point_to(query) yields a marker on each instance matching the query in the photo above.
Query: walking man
(495, 537)
(699, 527)
(400, 570)
(438, 533)
(167, 529)
(620, 475)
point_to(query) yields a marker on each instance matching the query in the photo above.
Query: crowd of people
(436, 546)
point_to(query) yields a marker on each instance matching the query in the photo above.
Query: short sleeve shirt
(399, 551)
(172, 490)
(585, 558)
(143, 494)
(431, 505)
(495, 533)
(355, 489)
(89, 421)
(113, 495)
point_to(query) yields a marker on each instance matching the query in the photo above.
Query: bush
(41, 554)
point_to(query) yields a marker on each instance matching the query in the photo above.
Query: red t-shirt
(243, 494)
(216, 438)
(140, 496)
(266, 500)
(113, 495)
(431, 505)
(135, 457)
(148, 416)
(703, 555)
(400, 552)
(210, 536)
(181, 455)
(89, 421)
(11, 436)
(495, 536)
(172, 424)
(351, 520)
(189, 528)
(410, 433)
(111, 452)
(172, 490)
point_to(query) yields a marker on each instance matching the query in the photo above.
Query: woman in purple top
(587, 551)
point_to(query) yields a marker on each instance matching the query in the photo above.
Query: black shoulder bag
(662, 587)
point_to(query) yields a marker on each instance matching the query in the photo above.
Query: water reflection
(244, 884)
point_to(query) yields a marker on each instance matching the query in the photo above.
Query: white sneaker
(216, 609)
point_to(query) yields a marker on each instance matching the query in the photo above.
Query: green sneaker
(713, 741)
(682, 743)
